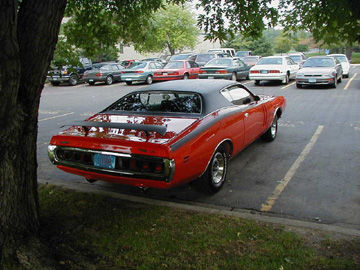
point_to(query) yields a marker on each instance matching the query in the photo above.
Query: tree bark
(28, 36)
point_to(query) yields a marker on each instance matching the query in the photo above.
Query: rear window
(159, 101)
(270, 61)
(219, 62)
(174, 64)
(204, 57)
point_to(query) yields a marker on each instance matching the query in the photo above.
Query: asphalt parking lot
(310, 172)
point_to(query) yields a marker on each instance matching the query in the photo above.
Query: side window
(192, 58)
(241, 63)
(187, 65)
(152, 66)
(226, 94)
(193, 64)
(239, 95)
(114, 68)
(236, 63)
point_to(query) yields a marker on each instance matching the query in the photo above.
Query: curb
(209, 209)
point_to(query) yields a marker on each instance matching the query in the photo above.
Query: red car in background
(177, 70)
(168, 134)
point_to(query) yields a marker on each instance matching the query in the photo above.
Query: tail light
(202, 72)
(254, 71)
(139, 71)
(98, 74)
(221, 71)
(274, 71)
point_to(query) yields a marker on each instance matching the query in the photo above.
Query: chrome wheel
(149, 79)
(218, 168)
(273, 128)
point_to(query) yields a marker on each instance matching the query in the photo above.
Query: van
(229, 51)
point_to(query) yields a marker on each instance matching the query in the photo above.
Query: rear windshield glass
(219, 62)
(270, 61)
(174, 64)
(204, 57)
(179, 57)
(159, 101)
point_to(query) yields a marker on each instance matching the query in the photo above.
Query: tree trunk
(28, 37)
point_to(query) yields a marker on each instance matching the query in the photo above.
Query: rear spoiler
(146, 128)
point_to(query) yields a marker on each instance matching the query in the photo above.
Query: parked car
(320, 70)
(177, 70)
(229, 51)
(299, 58)
(224, 68)
(345, 63)
(70, 74)
(183, 56)
(274, 68)
(203, 58)
(168, 134)
(104, 72)
(140, 72)
(251, 60)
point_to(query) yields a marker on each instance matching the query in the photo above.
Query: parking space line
(288, 85)
(57, 116)
(291, 172)
(349, 82)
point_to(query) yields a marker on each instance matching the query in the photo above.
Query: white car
(345, 64)
(274, 68)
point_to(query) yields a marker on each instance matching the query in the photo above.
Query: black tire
(340, 80)
(286, 80)
(90, 180)
(149, 79)
(186, 76)
(55, 83)
(91, 83)
(271, 133)
(233, 76)
(298, 85)
(214, 177)
(334, 85)
(73, 80)
(128, 83)
(257, 82)
(109, 80)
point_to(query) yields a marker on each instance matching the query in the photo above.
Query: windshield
(218, 62)
(159, 101)
(174, 64)
(319, 62)
(270, 61)
(205, 57)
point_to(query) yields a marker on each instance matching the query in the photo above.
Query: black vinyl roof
(208, 89)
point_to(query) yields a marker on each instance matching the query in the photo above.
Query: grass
(90, 231)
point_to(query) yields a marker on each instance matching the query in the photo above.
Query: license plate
(264, 71)
(104, 161)
(91, 80)
(210, 77)
(312, 80)
(128, 79)
(54, 79)
(165, 74)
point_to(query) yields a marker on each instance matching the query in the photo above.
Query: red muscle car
(168, 134)
(177, 70)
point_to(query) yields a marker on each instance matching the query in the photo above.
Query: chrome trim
(167, 176)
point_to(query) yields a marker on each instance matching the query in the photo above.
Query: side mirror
(257, 98)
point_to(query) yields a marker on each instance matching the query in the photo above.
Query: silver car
(320, 70)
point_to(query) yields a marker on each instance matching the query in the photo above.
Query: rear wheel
(109, 80)
(73, 80)
(149, 79)
(257, 82)
(186, 76)
(214, 177)
(270, 134)
(92, 83)
(298, 85)
(90, 180)
(286, 79)
(233, 76)
(128, 83)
